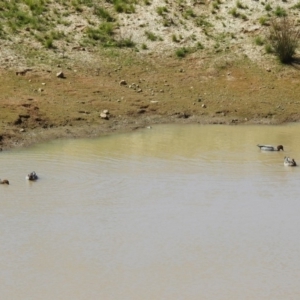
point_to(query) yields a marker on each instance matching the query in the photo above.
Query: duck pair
(289, 162)
(31, 176)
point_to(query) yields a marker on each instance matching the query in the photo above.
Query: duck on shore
(4, 181)
(32, 176)
(270, 147)
(289, 162)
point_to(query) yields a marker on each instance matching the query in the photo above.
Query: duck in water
(32, 176)
(289, 162)
(4, 181)
(270, 148)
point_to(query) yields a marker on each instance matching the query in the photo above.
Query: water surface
(175, 212)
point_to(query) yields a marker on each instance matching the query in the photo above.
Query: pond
(172, 212)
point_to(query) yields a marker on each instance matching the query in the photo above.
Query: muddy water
(175, 212)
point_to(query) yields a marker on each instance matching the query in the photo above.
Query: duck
(4, 181)
(290, 162)
(32, 176)
(270, 148)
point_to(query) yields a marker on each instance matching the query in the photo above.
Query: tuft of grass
(103, 14)
(161, 10)
(240, 5)
(201, 21)
(268, 48)
(189, 13)
(263, 21)
(296, 6)
(259, 41)
(151, 36)
(175, 39)
(280, 12)
(144, 47)
(234, 12)
(268, 7)
(181, 52)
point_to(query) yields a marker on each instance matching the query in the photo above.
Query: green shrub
(284, 38)
(268, 7)
(280, 12)
(181, 52)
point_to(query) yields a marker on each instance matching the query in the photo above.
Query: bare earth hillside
(145, 62)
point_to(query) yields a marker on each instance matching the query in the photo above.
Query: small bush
(234, 12)
(161, 10)
(125, 43)
(263, 21)
(284, 37)
(175, 39)
(297, 5)
(189, 13)
(181, 52)
(144, 47)
(102, 13)
(151, 36)
(48, 43)
(280, 12)
(268, 7)
(240, 5)
(259, 41)
(268, 48)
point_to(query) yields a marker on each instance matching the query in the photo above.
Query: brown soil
(38, 106)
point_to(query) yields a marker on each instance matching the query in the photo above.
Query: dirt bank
(138, 92)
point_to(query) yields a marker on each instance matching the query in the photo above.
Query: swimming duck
(32, 176)
(4, 181)
(270, 148)
(290, 162)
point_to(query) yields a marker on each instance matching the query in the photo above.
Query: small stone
(203, 105)
(104, 116)
(123, 82)
(60, 75)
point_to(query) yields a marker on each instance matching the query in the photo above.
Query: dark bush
(284, 38)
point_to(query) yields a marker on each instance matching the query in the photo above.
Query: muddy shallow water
(175, 212)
